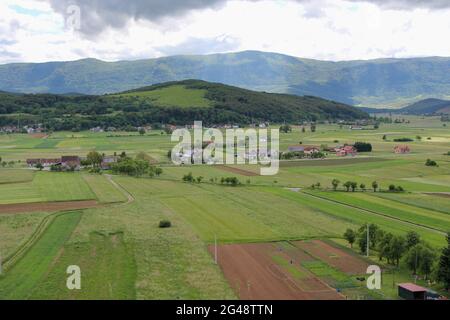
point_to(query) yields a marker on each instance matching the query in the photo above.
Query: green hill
(174, 102)
(381, 83)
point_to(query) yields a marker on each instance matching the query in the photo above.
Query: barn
(411, 291)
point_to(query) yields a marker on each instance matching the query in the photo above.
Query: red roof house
(411, 291)
(345, 151)
(402, 149)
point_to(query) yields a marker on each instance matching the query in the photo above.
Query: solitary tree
(383, 246)
(335, 183)
(397, 248)
(362, 186)
(444, 265)
(353, 185)
(420, 258)
(350, 236)
(347, 185)
(374, 186)
(412, 239)
(94, 158)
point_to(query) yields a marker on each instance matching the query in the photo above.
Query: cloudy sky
(49, 30)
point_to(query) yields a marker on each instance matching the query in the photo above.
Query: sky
(111, 30)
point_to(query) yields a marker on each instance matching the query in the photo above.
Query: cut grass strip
(20, 281)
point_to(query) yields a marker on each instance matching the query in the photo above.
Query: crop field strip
(25, 275)
(358, 216)
(437, 224)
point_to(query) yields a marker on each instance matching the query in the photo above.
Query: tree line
(416, 254)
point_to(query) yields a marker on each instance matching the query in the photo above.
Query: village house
(46, 163)
(402, 149)
(343, 151)
(108, 161)
(296, 149)
(9, 129)
(96, 129)
(310, 150)
(71, 162)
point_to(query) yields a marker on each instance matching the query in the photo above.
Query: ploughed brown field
(271, 271)
(333, 256)
(239, 171)
(47, 206)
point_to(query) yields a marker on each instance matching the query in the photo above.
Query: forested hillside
(174, 102)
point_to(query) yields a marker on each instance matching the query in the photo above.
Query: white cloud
(325, 29)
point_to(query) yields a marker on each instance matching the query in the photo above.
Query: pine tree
(444, 265)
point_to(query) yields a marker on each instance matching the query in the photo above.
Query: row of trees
(232, 181)
(417, 255)
(133, 167)
(353, 186)
(6, 163)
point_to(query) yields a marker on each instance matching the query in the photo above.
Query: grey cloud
(409, 4)
(96, 15)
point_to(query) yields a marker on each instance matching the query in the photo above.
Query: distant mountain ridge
(382, 82)
(430, 106)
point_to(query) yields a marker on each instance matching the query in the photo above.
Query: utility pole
(415, 268)
(215, 248)
(368, 240)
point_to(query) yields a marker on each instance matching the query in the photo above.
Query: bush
(165, 224)
(363, 147)
(188, 177)
(403, 140)
(430, 163)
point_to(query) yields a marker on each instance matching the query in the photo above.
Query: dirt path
(47, 206)
(129, 196)
(439, 194)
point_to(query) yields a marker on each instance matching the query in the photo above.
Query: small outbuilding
(411, 291)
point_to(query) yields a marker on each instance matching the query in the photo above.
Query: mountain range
(429, 106)
(385, 83)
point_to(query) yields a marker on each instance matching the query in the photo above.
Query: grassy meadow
(123, 253)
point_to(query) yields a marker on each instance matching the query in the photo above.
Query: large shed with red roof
(411, 291)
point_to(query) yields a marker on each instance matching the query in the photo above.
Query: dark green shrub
(165, 224)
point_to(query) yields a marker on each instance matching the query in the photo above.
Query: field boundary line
(378, 213)
(416, 205)
(121, 189)
(15, 257)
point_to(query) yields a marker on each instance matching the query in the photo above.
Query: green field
(47, 187)
(125, 255)
(177, 95)
(22, 281)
